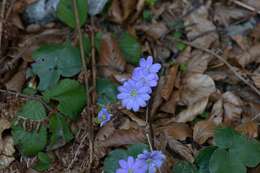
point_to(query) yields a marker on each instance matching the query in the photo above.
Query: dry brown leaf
(249, 56)
(157, 100)
(178, 131)
(256, 79)
(216, 115)
(192, 111)
(154, 30)
(167, 89)
(253, 3)
(203, 130)
(198, 24)
(111, 59)
(196, 87)
(121, 9)
(170, 105)
(249, 128)
(133, 117)
(232, 108)
(122, 77)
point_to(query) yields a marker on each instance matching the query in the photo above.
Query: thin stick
(148, 129)
(221, 59)
(2, 21)
(248, 7)
(84, 69)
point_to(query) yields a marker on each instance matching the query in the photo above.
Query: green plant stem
(84, 69)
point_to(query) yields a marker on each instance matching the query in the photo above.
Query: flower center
(133, 93)
(104, 117)
(148, 161)
(130, 170)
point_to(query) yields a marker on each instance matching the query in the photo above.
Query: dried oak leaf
(197, 24)
(196, 87)
(157, 100)
(248, 128)
(217, 112)
(232, 108)
(203, 130)
(121, 9)
(170, 82)
(111, 59)
(249, 56)
(170, 105)
(192, 111)
(154, 30)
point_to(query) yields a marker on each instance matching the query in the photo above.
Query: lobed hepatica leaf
(107, 91)
(111, 161)
(71, 97)
(29, 143)
(33, 110)
(43, 163)
(60, 132)
(66, 14)
(53, 61)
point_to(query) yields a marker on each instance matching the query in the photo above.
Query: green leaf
(60, 132)
(98, 39)
(130, 48)
(111, 161)
(106, 91)
(65, 12)
(135, 149)
(224, 137)
(222, 162)
(202, 160)
(53, 61)
(33, 110)
(246, 150)
(71, 96)
(29, 143)
(86, 45)
(43, 163)
(147, 15)
(184, 167)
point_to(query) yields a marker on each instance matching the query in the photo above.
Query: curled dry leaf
(249, 56)
(170, 105)
(196, 87)
(216, 115)
(198, 63)
(169, 83)
(232, 108)
(157, 100)
(121, 9)
(256, 79)
(192, 111)
(178, 131)
(111, 59)
(199, 24)
(248, 128)
(6, 146)
(203, 130)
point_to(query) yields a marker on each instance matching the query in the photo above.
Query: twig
(248, 7)
(148, 128)
(1, 22)
(221, 59)
(84, 70)
(93, 60)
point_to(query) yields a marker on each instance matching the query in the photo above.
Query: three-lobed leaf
(202, 160)
(65, 12)
(71, 97)
(53, 61)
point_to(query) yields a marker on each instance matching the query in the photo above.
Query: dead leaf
(133, 117)
(216, 115)
(170, 105)
(121, 9)
(184, 56)
(154, 30)
(196, 87)
(256, 79)
(178, 131)
(167, 89)
(198, 24)
(232, 108)
(192, 111)
(111, 59)
(249, 56)
(203, 130)
(253, 3)
(122, 77)
(248, 128)
(157, 100)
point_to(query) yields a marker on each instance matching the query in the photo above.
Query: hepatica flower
(135, 93)
(131, 166)
(152, 160)
(103, 116)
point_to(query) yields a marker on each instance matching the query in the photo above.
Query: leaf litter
(199, 115)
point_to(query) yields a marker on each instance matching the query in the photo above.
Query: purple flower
(130, 166)
(103, 116)
(152, 160)
(133, 95)
(146, 79)
(147, 65)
